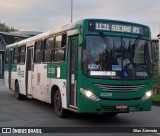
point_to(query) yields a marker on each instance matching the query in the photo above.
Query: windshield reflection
(117, 57)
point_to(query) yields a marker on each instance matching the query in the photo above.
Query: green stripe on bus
(13, 69)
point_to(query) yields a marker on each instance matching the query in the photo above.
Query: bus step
(73, 108)
(29, 96)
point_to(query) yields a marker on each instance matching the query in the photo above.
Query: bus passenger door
(29, 69)
(72, 72)
(10, 68)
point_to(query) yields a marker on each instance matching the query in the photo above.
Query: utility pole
(71, 10)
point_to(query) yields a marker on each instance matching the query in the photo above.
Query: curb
(156, 103)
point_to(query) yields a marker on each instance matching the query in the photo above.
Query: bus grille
(120, 88)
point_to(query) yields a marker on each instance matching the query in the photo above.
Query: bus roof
(48, 33)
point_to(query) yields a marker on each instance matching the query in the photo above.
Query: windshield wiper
(105, 39)
(133, 46)
(136, 42)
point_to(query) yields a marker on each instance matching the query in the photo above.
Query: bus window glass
(60, 46)
(49, 43)
(58, 41)
(38, 45)
(22, 54)
(15, 55)
(38, 51)
(117, 57)
(47, 50)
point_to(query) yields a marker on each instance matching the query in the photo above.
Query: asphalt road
(34, 113)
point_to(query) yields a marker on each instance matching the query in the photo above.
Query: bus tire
(17, 93)
(58, 109)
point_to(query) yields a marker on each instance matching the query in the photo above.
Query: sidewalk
(2, 86)
(1, 81)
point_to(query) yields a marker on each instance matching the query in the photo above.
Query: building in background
(9, 38)
(27, 33)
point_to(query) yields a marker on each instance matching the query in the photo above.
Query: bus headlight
(147, 95)
(89, 94)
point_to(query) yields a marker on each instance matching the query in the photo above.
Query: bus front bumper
(103, 106)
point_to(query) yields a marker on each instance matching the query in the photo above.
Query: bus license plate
(122, 107)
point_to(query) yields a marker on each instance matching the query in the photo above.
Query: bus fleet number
(106, 95)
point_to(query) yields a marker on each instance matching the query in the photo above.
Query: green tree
(5, 28)
(156, 79)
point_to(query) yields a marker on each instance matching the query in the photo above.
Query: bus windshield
(116, 57)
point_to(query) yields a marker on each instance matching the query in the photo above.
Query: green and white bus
(90, 66)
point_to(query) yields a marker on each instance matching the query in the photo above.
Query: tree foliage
(5, 28)
(156, 79)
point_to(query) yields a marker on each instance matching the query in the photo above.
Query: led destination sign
(117, 27)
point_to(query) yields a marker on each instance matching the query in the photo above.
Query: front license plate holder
(122, 108)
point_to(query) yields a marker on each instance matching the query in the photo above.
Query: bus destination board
(117, 27)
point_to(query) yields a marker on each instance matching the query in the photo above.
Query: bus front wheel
(58, 109)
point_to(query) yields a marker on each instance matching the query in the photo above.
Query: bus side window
(22, 54)
(47, 50)
(15, 55)
(60, 48)
(38, 51)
